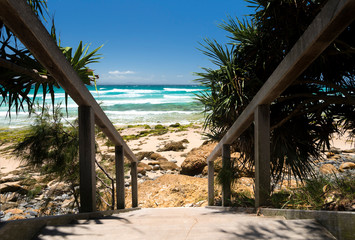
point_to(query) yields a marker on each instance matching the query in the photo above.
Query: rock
(11, 178)
(142, 155)
(154, 163)
(193, 165)
(156, 167)
(330, 154)
(328, 169)
(12, 187)
(10, 197)
(196, 159)
(205, 171)
(35, 213)
(155, 156)
(68, 203)
(8, 205)
(14, 211)
(144, 166)
(169, 166)
(16, 217)
(349, 151)
(162, 159)
(58, 188)
(172, 146)
(141, 171)
(335, 150)
(346, 165)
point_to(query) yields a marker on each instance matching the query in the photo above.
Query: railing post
(262, 155)
(210, 183)
(134, 184)
(119, 161)
(226, 164)
(87, 159)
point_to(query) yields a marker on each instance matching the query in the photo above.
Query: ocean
(127, 105)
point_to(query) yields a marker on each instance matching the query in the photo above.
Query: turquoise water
(129, 104)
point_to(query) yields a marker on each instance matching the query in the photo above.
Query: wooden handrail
(18, 16)
(335, 16)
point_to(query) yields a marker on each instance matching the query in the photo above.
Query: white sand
(9, 162)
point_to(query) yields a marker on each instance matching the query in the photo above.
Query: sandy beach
(151, 143)
(194, 136)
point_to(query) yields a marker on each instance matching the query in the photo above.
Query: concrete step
(187, 223)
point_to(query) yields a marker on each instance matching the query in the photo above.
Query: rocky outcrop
(195, 161)
(145, 166)
(169, 166)
(328, 169)
(174, 146)
(346, 165)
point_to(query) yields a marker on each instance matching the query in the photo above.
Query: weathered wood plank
(335, 16)
(18, 16)
(134, 184)
(87, 159)
(210, 183)
(120, 189)
(226, 186)
(262, 155)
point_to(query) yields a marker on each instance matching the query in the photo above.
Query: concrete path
(187, 223)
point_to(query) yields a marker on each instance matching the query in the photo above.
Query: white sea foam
(145, 101)
(115, 90)
(182, 90)
(144, 113)
(125, 95)
(178, 97)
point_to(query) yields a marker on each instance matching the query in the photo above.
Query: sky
(145, 41)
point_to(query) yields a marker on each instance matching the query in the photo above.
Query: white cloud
(116, 72)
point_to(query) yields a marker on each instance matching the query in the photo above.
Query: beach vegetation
(175, 125)
(321, 192)
(52, 148)
(319, 103)
(8, 135)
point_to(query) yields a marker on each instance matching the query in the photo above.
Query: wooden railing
(18, 16)
(335, 16)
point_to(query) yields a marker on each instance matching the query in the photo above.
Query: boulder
(328, 169)
(141, 170)
(145, 166)
(193, 165)
(11, 178)
(154, 163)
(195, 161)
(346, 165)
(169, 166)
(173, 146)
(12, 187)
(155, 156)
(349, 150)
(59, 188)
(162, 159)
(14, 211)
(9, 197)
(142, 155)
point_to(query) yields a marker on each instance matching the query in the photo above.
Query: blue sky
(145, 42)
